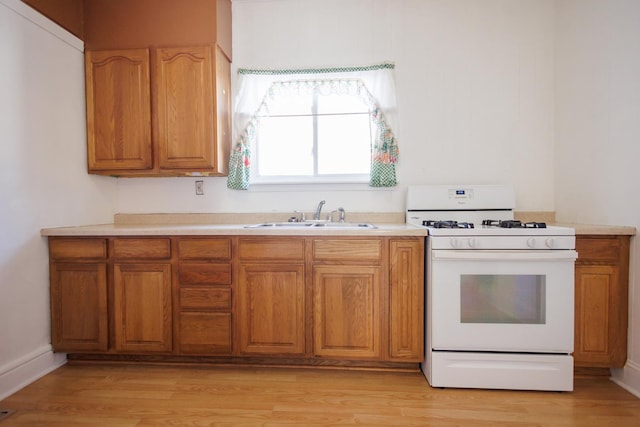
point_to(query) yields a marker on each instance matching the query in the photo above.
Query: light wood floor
(127, 395)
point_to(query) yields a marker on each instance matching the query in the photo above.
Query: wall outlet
(199, 188)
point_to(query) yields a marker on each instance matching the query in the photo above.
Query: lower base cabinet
(79, 306)
(601, 301)
(203, 333)
(355, 301)
(142, 308)
(347, 319)
(271, 309)
(78, 294)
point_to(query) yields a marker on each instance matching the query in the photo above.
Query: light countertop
(389, 224)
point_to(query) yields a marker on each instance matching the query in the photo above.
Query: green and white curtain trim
(373, 84)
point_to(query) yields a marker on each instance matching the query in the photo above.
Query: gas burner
(447, 224)
(513, 224)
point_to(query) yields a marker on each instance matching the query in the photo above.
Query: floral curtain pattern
(353, 81)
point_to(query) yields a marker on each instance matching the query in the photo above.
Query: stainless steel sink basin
(346, 225)
(324, 224)
(282, 224)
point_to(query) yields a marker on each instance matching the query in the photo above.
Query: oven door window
(502, 298)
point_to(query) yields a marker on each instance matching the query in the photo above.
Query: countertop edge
(105, 230)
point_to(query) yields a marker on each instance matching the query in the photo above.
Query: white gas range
(499, 293)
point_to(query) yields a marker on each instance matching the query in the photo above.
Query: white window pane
(290, 104)
(332, 104)
(285, 146)
(344, 144)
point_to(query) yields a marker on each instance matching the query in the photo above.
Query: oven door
(505, 301)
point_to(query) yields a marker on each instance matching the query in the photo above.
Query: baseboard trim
(25, 370)
(628, 378)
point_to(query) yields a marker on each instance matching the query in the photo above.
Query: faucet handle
(303, 218)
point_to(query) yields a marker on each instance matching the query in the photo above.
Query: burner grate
(512, 224)
(447, 224)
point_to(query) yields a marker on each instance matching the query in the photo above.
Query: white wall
(598, 130)
(43, 180)
(474, 90)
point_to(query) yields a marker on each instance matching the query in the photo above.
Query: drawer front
(271, 249)
(74, 248)
(204, 248)
(205, 298)
(142, 248)
(347, 250)
(205, 334)
(194, 273)
(597, 249)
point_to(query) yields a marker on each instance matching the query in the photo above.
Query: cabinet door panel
(271, 300)
(79, 307)
(597, 332)
(346, 311)
(185, 107)
(118, 110)
(142, 307)
(406, 300)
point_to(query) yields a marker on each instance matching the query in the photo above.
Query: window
(319, 125)
(311, 137)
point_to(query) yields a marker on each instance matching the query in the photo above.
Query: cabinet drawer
(204, 248)
(597, 249)
(205, 334)
(77, 248)
(205, 298)
(142, 248)
(344, 249)
(272, 249)
(200, 273)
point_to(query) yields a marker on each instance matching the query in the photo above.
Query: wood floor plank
(145, 396)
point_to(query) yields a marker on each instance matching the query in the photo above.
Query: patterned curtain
(384, 153)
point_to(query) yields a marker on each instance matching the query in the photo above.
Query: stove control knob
(550, 242)
(531, 242)
(471, 243)
(454, 243)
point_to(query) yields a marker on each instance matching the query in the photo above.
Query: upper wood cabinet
(158, 87)
(171, 118)
(118, 110)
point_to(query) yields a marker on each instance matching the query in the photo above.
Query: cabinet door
(79, 307)
(118, 110)
(346, 311)
(406, 300)
(142, 307)
(598, 334)
(184, 103)
(271, 308)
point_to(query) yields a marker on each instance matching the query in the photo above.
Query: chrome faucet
(319, 209)
(342, 214)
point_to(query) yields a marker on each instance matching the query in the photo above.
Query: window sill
(317, 186)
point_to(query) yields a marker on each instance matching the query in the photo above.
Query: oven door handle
(564, 255)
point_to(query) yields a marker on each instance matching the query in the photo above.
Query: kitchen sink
(324, 224)
(282, 224)
(345, 225)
